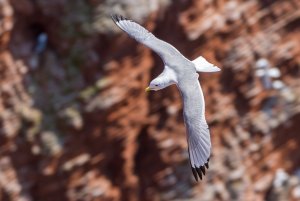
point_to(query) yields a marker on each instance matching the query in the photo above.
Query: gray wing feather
(198, 135)
(142, 35)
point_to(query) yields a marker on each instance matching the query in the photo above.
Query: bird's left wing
(142, 35)
(198, 135)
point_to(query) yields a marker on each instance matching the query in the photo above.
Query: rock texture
(75, 123)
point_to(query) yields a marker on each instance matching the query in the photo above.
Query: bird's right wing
(198, 135)
(142, 35)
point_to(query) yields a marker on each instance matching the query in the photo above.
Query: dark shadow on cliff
(231, 85)
(283, 135)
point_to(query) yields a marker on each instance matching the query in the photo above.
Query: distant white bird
(266, 73)
(182, 72)
(281, 177)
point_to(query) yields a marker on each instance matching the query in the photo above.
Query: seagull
(183, 73)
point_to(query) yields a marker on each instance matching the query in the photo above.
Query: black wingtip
(206, 164)
(202, 168)
(198, 172)
(195, 174)
(116, 18)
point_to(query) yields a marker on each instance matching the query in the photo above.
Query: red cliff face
(76, 124)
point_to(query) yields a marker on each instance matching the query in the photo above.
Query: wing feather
(142, 35)
(198, 135)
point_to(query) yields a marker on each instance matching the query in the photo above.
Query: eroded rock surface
(75, 123)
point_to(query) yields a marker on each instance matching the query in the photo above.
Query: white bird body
(180, 71)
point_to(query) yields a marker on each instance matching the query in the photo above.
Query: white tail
(202, 65)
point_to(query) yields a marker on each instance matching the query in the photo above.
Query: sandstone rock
(75, 123)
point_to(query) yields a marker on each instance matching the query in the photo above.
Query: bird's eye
(156, 85)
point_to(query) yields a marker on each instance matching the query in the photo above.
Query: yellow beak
(147, 89)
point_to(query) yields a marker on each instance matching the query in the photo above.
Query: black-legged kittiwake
(182, 72)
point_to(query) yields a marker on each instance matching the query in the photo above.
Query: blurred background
(76, 124)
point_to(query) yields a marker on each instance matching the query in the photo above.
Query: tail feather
(202, 65)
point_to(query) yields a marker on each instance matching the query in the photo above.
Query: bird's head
(156, 84)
